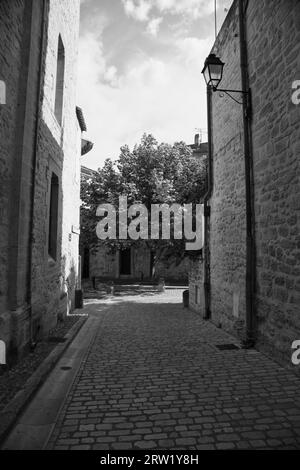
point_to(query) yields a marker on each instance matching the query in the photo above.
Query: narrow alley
(150, 375)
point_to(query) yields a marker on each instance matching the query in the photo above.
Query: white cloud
(111, 75)
(193, 52)
(153, 26)
(139, 10)
(194, 8)
(187, 11)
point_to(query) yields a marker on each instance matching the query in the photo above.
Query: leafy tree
(150, 173)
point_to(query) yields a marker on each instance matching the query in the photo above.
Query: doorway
(125, 262)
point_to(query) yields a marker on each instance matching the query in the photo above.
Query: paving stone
(166, 443)
(120, 432)
(253, 435)
(80, 447)
(185, 441)
(145, 445)
(205, 447)
(68, 441)
(156, 436)
(104, 427)
(101, 447)
(121, 446)
(258, 443)
(86, 427)
(225, 446)
(228, 437)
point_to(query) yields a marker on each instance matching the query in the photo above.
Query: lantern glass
(213, 70)
(216, 72)
(206, 75)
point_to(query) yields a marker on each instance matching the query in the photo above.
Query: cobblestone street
(153, 378)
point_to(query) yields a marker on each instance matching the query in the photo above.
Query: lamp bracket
(231, 91)
(245, 93)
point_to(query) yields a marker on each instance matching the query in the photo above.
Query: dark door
(86, 264)
(125, 262)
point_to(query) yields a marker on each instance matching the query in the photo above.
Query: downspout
(34, 165)
(207, 196)
(249, 185)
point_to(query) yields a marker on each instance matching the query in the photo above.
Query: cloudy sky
(140, 65)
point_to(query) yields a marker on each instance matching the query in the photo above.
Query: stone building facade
(136, 263)
(273, 47)
(40, 152)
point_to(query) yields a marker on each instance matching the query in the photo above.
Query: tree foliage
(150, 173)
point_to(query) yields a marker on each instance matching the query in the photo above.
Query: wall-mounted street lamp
(213, 71)
(213, 74)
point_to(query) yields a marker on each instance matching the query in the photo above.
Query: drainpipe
(249, 185)
(34, 165)
(207, 196)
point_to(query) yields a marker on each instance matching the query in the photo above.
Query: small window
(196, 294)
(60, 80)
(53, 217)
(2, 92)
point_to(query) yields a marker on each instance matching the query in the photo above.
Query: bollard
(78, 298)
(185, 298)
(161, 285)
(110, 288)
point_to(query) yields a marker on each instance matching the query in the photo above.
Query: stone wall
(196, 290)
(103, 264)
(59, 152)
(11, 32)
(273, 40)
(20, 35)
(173, 269)
(274, 63)
(32, 286)
(11, 17)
